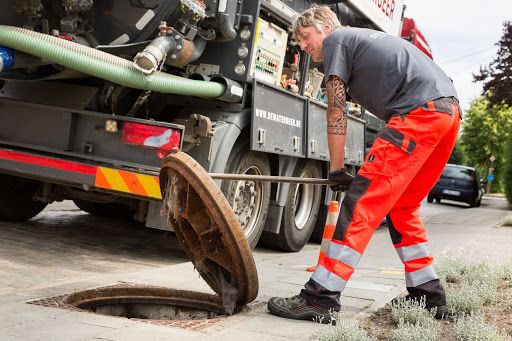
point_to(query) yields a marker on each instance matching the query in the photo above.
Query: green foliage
(485, 130)
(411, 312)
(428, 330)
(507, 176)
(450, 269)
(471, 328)
(497, 77)
(345, 330)
(457, 157)
(479, 286)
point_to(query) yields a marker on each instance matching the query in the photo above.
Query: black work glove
(340, 179)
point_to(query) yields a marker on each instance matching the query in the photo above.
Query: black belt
(449, 105)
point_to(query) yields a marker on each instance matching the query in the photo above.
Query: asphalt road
(65, 245)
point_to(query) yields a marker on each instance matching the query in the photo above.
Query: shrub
(429, 330)
(507, 176)
(464, 300)
(412, 312)
(505, 270)
(450, 269)
(345, 330)
(471, 328)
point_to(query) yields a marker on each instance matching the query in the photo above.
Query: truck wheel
(16, 202)
(109, 210)
(300, 212)
(249, 199)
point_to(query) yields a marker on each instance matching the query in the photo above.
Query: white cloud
(456, 28)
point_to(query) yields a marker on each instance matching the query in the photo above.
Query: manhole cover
(208, 230)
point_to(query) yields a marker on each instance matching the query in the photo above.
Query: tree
(497, 76)
(485, 132)
(507, 176)
(456, 158)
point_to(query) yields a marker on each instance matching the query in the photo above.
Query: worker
(395, 81)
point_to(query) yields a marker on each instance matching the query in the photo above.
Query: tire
(16, 202)
(430, 199)
(250, 200)
(438, 200)
(108, 210)
(300, 212)
(475, 203)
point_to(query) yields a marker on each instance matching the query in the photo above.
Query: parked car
(458, 183)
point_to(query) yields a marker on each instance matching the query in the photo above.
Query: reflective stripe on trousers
(402, 166)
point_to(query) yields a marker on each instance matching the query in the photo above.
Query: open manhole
(147, 303)
(213, 240)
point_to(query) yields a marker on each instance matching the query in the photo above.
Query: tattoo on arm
(336, 107)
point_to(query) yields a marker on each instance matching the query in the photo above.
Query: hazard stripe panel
(128, 182)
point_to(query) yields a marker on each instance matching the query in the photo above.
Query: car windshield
(458, 173)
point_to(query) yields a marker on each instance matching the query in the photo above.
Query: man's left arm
(336, 121)
(336, 133)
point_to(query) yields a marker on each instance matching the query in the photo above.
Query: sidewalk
(378, 279)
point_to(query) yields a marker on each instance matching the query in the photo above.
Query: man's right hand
(340, 179)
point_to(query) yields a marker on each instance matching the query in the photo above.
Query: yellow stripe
(150, 184)
(391, 272)
(115, 179)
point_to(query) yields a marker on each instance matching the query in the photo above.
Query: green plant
(428, 330)
(405, 311)
(345, 330)
(507, 221)
(471, 328)
(505, 270)
(464, 300)
(507, 176)
(450, 269)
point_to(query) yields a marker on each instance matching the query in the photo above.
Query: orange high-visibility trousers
(404, 163)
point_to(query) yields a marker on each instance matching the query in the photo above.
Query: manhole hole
(148, 303)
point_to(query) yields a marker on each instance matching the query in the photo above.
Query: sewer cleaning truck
(94, 93)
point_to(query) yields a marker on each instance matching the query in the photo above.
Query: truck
(94, 93)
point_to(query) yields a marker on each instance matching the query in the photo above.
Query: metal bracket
(262, 136)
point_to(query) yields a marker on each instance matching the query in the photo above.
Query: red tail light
(162, 138)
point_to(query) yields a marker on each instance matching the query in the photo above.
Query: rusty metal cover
(208, 230)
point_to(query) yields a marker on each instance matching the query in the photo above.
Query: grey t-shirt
(387, 75)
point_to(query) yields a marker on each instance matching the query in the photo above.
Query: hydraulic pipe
(103, 65)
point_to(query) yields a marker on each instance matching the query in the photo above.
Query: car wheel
(475, 203)
(430, 199)
(438, 200)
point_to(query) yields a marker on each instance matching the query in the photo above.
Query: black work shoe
(298, 308)
(441, 310)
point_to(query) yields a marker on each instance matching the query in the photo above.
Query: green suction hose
(103, 65)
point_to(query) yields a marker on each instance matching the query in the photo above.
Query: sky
(462, 35)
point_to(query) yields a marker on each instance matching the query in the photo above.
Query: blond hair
(317, 16)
